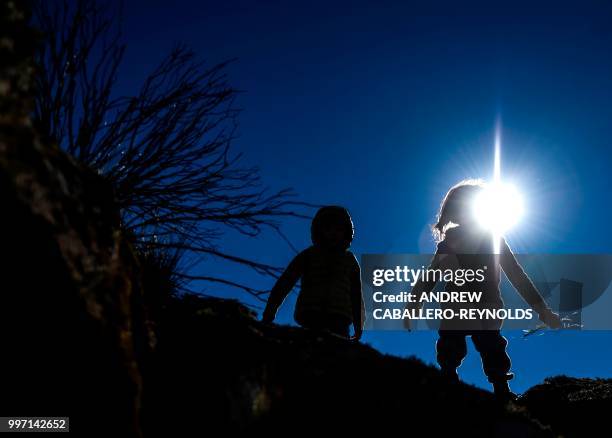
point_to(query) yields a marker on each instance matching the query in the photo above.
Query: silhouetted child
(330, 297)
(463, 244)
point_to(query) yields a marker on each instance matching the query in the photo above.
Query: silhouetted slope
(572, 406)
(217, 367)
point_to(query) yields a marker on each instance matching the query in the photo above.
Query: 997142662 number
(30, 424)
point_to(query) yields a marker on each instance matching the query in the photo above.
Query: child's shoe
(502, 391)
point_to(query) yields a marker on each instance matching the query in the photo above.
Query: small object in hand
(551, 319)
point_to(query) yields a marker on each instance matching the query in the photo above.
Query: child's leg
(495, 361)
(451, 349)
(492, 348)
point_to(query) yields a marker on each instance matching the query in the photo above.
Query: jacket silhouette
(330, 297)
(462, 244)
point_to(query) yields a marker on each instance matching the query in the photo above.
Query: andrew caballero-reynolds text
(466, 302)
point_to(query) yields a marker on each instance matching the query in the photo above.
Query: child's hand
(407, 324)
(267, 317)
(551, 319)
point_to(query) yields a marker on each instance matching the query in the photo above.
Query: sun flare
(499, 206)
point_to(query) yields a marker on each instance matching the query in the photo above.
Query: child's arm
(283, 286)
(439, 261)
(358, 307)
(524, 286)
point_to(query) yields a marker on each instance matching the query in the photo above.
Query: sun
(498, 207)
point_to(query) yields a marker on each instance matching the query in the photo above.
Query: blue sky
(382, 106)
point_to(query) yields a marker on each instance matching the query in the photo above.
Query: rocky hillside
(574, 407)
(220, 368)
(216, 367)
(72, 323)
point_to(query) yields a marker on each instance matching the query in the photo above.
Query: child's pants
(451, 349)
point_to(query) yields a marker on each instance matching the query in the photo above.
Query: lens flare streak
(500, 206)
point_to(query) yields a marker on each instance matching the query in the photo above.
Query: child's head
(332, 227)
(456, 207)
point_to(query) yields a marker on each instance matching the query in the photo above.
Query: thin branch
(166, 149)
